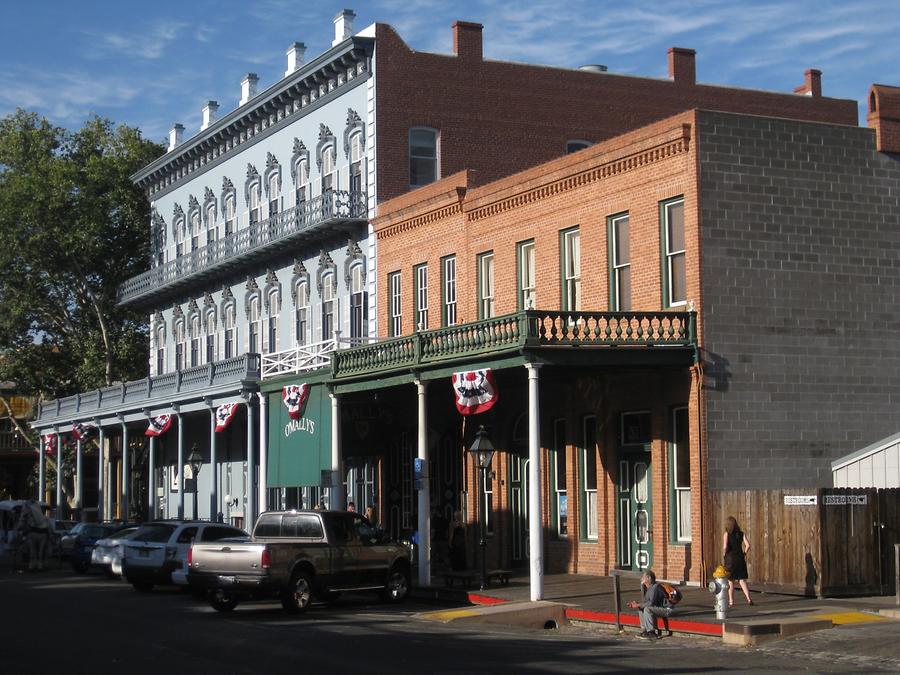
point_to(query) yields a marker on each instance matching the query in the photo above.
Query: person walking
(654, 603)
(734, 551)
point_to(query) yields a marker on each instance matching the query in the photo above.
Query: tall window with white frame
(359, 302)
(253, 316)
(272, 312)
(448, 290)
(178, 231)
(210, 337)
(195, 230)
(179, 345)
(328, 161)
(571, 268)
(356, 154)
(302, 179)
(423, 157)
(395, 305)
(526, 268)
(301, 314)
(160, 350)
(210, 223)
(620, 263)
(195, 340)
(274, 194)
(681, 473)
(589, 476)
(253, 205)
(486, 285)
(228, 321)
(674, 277)
(228, 222)
(560, 495)
(329, 291)
(420, 274)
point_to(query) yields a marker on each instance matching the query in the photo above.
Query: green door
(634, 512)
(518, 504)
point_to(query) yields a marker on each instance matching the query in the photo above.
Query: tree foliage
(72, 228)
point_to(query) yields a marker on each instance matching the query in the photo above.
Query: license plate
(228, 580)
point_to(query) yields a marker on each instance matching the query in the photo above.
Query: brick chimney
(343, 26)
(209, 114)
(812, 83)
(248, 87)
(294, 57)
(467, 40)
(682, 65)
(175, 135)
(884, 117)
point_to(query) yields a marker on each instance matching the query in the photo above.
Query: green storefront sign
(299, 450)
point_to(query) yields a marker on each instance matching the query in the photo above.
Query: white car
(108, 552)
(157, 552)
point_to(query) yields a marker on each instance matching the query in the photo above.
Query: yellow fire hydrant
(719, 587)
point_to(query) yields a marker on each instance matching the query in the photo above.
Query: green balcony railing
(511, 332)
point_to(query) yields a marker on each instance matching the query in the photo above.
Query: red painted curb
(678, 625)
(476, 599)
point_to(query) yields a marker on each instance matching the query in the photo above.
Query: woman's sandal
(750, 602)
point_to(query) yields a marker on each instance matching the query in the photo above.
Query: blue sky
(152, 64)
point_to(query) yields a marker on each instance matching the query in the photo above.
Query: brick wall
(496, 118)
(801, 290)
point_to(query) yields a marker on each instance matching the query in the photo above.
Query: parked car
(67, 540)
(84, 542)
(108, 552)
(160, 548)
(298, 555)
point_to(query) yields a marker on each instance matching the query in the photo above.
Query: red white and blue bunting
(50, 445)
(158, 425)
(294, 397)
(83, 431)
(475, 391)
(224, 414)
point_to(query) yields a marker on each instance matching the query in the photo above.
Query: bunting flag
(475, 391)
(224, 414)
(158, 425)
(294, 396)
(50, 445)
(83, 431)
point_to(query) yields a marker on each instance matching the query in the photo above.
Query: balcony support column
(43, 445)
(126, 482)
(151, 480)
(250, 498)
(180, 467)
(337, 498)
(213, 467)
(60, 474)
(424, 501)
(101, 471)
(535, 533)
(79, 477)
(263, 453)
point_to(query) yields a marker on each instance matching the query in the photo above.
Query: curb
(754, 632)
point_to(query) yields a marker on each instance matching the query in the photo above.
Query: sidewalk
(590, 598)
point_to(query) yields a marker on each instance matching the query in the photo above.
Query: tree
(72, 228)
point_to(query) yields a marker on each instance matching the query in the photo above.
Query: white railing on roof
(304, 358)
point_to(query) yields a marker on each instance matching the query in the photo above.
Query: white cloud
(150, 44)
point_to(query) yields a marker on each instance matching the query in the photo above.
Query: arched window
(274, 194)
(359, 302)
(195, 229)
(195, 340)
(356, 155)
(178, 231)
(301, 313)
(329, 291)
(576, 145)
(210, 324)
(157, 239)
(253, 317)
(423, 156)
(301, 178)
(253, 204)
(160, 336)
(210, 214)
(179, 344)
(328, 165)
(229, 207)
(272, 311)
(228, 320)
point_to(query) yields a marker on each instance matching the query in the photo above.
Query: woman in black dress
(457, 537)
(734, 549)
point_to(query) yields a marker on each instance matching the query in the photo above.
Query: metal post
(196, 481)
(41, 479)
(338, 499)
(101, 473)
(482, 500)
(126, 483)
(214, 478)
(59, 474)
(180, 467)
(79, 483)
(151, 480)
(424, 496)
(617, 601)
(263, 454)
(897, 571)
(535, 530)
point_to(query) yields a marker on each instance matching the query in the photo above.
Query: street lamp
(195, 461)
(483, 450)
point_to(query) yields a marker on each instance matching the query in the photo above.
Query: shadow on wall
(717, 371)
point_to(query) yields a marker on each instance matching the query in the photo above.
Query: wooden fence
(815, 542)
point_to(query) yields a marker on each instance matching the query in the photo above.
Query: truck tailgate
(227, 557)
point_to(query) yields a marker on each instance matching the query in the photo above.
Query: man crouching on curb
(654, 603)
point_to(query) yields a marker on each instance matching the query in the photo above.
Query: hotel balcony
(246, 247)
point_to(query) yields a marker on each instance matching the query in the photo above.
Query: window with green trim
(681, 474)
(589, 477)
(420, 277)
(486, 285)
(526, 272)
(671, 215)
(559, 496)
(395, 307)
(619, 263)
(448, 290)
(570, 263)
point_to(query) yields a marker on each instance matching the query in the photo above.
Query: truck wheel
(397, 587)
(221, 601)
(298, 596)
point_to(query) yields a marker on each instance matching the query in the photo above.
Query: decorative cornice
(299, 268)
(418, 221)
(271, 162)
(208, 301)
(208, 196)
(227, 185)
(193, 204)
(177, 213)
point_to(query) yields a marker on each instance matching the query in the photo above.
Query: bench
(466, 577)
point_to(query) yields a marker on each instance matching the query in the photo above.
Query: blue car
(84, 543)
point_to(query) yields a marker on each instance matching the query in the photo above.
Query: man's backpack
(673, 595)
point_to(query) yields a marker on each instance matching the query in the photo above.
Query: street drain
(550, 625)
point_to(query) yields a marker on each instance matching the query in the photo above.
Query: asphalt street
(59, 622)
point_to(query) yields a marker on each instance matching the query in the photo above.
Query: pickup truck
(297, 556)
